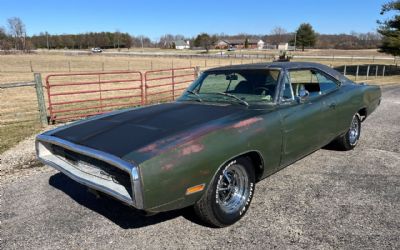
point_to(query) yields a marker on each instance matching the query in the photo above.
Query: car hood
(136, 130)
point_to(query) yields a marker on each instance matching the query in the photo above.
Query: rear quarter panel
(351, 98)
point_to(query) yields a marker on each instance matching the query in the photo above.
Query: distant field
(18, 107)
(14, 68)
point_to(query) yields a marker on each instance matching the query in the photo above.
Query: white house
(283, 46)
(180, 44)
(260, 44)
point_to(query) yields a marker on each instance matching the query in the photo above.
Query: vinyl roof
(284, 66)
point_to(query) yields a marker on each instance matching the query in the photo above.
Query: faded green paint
(281, 133)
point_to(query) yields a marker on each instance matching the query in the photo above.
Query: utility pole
(141, 40)
(24, 49)
(47, 40)
(295, 40)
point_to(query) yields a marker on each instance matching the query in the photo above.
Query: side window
(304, 80)
(287, 91)
(326, 83)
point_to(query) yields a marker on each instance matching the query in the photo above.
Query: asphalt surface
(330, 199)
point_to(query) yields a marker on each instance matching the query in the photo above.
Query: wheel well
(363, 113)
(257, 161)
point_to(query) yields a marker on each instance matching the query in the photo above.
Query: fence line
(221, 58)
(16, 85)
(354, 72)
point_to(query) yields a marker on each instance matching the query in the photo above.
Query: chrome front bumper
(89, 174)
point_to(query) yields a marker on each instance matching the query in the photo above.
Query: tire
(349, 140)
(229, 194)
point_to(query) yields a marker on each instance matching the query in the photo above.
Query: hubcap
(232, 190)
(354, 131)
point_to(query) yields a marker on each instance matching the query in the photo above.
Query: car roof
(284, 66)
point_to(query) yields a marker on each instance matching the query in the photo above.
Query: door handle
(332, 105)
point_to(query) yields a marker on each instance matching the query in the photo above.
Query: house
(260, 44)
(238, 43)
(180, 44)
(283, 46)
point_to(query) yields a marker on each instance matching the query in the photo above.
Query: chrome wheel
(232, 189)
(354, 131)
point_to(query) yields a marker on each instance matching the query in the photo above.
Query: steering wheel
(265, 90)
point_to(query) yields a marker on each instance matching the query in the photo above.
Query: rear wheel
(229, 195)
(349, 140)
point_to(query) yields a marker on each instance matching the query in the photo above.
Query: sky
(155, 18)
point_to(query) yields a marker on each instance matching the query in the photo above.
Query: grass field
(18, 107)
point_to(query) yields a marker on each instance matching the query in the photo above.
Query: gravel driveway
(329, 199)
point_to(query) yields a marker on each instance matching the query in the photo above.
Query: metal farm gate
(71, 96)
(167, 84)
(76, 95)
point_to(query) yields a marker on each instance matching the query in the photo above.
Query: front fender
(167, 176)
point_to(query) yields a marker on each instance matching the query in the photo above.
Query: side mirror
(231, 77)
(303, 95)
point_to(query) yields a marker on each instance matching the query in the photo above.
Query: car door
(328, 88)
(301, 118)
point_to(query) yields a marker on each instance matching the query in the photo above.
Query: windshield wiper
(195, 94)
(235, 97)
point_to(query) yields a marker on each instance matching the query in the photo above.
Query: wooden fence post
(40, 99)
(196, 71)
(69, 66)
(30, 64)
(358, 67)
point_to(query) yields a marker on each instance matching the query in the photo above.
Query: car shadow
(333, 146)
(124, 216)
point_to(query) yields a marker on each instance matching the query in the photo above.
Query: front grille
(94, 167)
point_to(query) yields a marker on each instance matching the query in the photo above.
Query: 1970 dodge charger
(232, 127)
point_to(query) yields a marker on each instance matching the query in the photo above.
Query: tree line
(387, 38)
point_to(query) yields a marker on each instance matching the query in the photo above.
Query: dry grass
(14, 68)
(18, 107)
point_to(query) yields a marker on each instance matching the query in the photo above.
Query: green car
(231, 128)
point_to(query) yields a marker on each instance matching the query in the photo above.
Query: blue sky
(153, 18)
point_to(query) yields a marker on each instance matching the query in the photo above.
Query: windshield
(235, 86)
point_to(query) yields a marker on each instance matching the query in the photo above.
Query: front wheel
(229, 194)
(349, 140)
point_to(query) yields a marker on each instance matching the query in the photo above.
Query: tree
(390, 29)
(306, 36)
(277, 35)
(3, 34)
(246, 43)
(17, 31)
(205, 41)
(4, 40)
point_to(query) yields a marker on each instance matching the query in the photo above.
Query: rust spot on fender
(247, 122)
(190, 149)
(167, 166)
(148, 148)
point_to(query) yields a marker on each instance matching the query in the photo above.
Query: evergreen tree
(306, 36)
(390, 29)
(246, 43)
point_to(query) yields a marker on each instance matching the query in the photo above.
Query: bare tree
(17, 31)
(278, 35)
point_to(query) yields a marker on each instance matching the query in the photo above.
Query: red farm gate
(72, 96)
(76, 95)
(167, 84)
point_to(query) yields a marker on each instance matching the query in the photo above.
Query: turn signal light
(195, 189)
